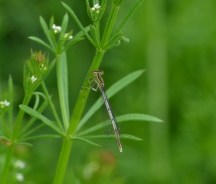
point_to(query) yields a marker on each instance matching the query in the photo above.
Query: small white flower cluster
(32, 78)
(66, 35)
(19, 177)
(19, 164)
(4, 104)
(96, 8)
(56, 29)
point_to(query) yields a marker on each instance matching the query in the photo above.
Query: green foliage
(175, 41)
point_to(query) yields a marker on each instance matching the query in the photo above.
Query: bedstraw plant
(68, 126)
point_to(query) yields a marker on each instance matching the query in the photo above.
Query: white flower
(96, 6)
(19, 164)
(4, 104)
(56, 29)
(33, 78)
(66, 35)
(19, 177)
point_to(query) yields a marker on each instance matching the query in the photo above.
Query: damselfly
(100, 84)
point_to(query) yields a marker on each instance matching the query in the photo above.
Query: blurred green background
(176, 42)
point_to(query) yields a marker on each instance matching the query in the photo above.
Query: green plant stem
(4, 174)
(61, 71)
(81, 101)
(83, 95)
(76, 115)
(63, 160)
(14, 140)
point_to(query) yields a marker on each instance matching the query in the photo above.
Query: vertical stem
(158, 91)
(12, 147)
(76, 115)
(62, 79)
(83, 95)
(62, 163)
(4, 174)
(81, 101)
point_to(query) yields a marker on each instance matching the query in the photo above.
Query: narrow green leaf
(32, 130)
(85, 140)
(24, 143)
(123, 118)
(36, 114)
(138, 117)
(132, 137)
(51, 22)
(114, 41)
(10, 99)
(94, 34)
(129, 15)
(63, 88)
(73, 41)
(102, 10)
(77, 21)
(53, 109)
(51, 65)
(5, 138)
(42, 137)
(123, 136)
(110, 92)
(37, 101)
(89, 11)
(64, 25)
(46, 31)
(38, 40)
(81, 33)
(33, 119)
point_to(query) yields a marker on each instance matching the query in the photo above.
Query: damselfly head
(101, 72)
